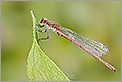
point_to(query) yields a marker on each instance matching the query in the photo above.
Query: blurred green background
(97, 20)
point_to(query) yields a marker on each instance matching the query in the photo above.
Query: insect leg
(44, 31)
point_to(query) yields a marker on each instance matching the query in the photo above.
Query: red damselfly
(93, 47)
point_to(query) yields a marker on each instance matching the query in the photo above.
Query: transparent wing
(92, 45)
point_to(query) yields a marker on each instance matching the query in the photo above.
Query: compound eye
(44, 20)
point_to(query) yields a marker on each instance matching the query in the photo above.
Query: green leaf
(39, 66)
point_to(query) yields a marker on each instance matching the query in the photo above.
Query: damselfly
(93, 47)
